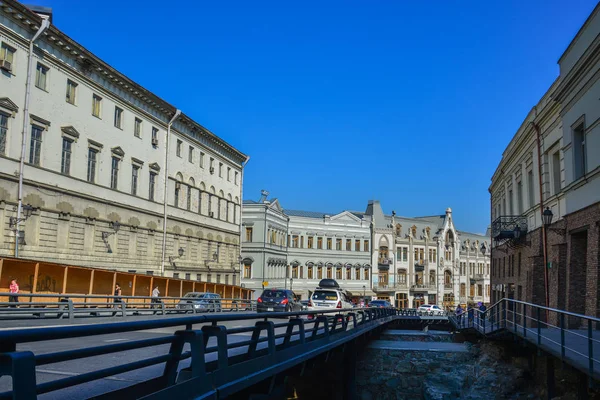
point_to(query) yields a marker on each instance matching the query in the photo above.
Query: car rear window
(325, 295)
(191, 295)
(278, 294)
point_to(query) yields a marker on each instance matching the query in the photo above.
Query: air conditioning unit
(5, 65)
(154, 141)
(211, 214)
(212, 170)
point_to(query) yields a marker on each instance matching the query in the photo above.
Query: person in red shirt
(13, 290)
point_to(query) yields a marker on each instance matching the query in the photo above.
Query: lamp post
(364, 295)
(546, 221)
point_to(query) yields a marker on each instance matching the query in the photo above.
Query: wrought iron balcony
(509, 227)
(384, 263)
(420, 265)
(388, 287)
(421, 287)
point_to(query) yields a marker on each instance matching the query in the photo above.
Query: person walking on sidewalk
(13, 289)
(117, 299)
(155, 298)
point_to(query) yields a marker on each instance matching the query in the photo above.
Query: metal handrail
(539, 325)
(327, 330)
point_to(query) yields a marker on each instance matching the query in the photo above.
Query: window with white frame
(3, 132)
(579, 151)
(137, 128)
(191, 154)
(235, 177)
(71, 94)
(135, 172)
(91, 167)
(65, 165)
(118, 118)
(114, 173)
(201, 160)
(178, 150)
(152, 185)
(154, 137)
(229, 174)
(96, 105)
(35, 145)
(7, 57)
(41, 76)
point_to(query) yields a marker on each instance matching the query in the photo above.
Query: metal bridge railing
(78, 305)
(194, 365)
(571, 337)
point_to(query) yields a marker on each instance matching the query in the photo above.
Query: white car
(430, 308)
(329, 296)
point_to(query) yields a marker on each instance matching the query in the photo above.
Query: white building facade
(95, 163)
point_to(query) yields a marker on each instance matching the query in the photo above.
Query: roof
(306, 214)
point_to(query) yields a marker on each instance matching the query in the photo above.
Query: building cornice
(87, 61)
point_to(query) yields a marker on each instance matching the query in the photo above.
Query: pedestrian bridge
(573, 339)
(201, 358)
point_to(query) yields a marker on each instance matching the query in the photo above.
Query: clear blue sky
(338, 102)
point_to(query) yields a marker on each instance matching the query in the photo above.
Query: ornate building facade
(545, 191)
(426, 260)
(408, 261)
(87, 153)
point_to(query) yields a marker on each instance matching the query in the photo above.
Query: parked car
(329, 295)
(430, 308)
(277, 300)
(380, 303)
(200, 302)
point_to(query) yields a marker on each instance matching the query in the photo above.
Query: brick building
(552, 166)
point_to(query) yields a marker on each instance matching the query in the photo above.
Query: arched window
(432, 277)
(447, 278)
(178, 180)
(191, 184)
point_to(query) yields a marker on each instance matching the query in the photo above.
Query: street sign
(265, 283)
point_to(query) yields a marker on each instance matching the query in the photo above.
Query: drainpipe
(544, 247)
(242, 205)
(45, 24)
(165, 193)
(264, 248)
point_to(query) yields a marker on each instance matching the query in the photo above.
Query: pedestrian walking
(459, 312)
(155, 298)
(117, 300)
(470, 314)
(13, 289)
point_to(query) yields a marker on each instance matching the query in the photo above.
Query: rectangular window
(357, 245)
(179, 144)
(118, 118)
(208, 278)
(247, 271)
(479, 290)
(188, 276)
(135, 171)
(357, 274)
(405, 254)
(71, 92)
(189, 197)
(421, 254)
(151, 186)
(366, 278)
(41, 75)
(295, 241)
(35, 147)
(530, 186)
(329, 273)
(329, 244)
(96, 105)
(154, 137)
(309, 273)
(338, 273)
(366, 247)
(348, 273)
(201, 160)
(348, 244)
(218, 278)
(510, 203)
(235, 176)
(7, 54)
(228, 174)
(295, 272)
(212, 165)
(310, 242)
(579, 153)
(114, 173)
(191, 154)
(137, 128)
(320, 243)
(248, 234)
(176, 275)
(65, 164)
(91, 169)
(3, 132)
(556, 172)
(220, 170)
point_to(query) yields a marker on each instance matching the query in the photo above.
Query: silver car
(200, 302)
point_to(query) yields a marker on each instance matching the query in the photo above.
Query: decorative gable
(70, 131)
(117, 151)
(345, 216)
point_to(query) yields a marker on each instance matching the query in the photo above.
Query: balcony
(478, 277)
(384, 263)
(420, 266)
(509, 227)
(421, 288)
(388, 287)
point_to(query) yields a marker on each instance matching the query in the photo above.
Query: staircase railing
(571, 337)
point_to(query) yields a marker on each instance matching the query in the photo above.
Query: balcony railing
(389, 287)
(506, 227)
(448, 286)
(384, 261)
(422, 287)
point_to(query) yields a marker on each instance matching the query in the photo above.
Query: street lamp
(172, 258)
(547, 217)
(364, 295)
